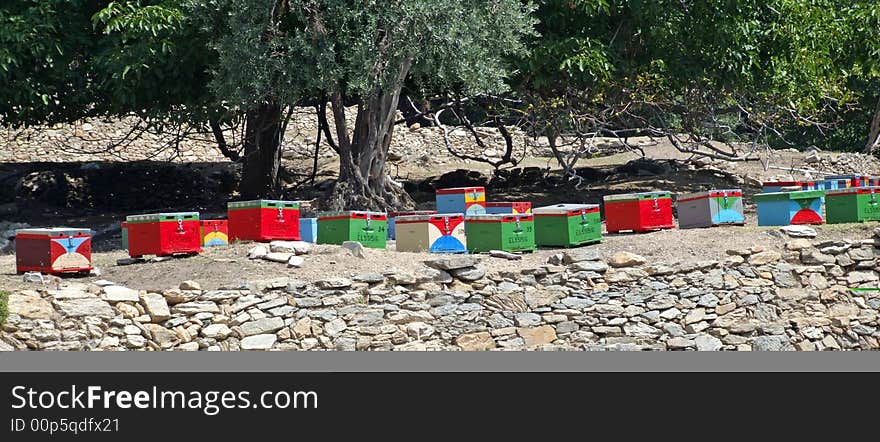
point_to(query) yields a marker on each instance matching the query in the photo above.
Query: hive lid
(507, 203)
(410, 213)
(351, 214)
(709, 193)
(499, 217)
(54, 231)
(842, 177)
(637, 196)
(155, 217)
(266, 204)
(853, 190)
(565, 208)
(426, 218)
(779, 196)
(478, 189)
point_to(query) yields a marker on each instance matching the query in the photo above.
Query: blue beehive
(466, 200)
(308, 229)
(832, 184)
(786, 208)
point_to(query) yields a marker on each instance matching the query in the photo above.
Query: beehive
(466, 200)
(853, 180)
(567, 225)
(638, 212)
(54, 250)
(367, 228)
(124, 227)
(710, 208)
(511, 233)
(784, 208)
(308, 229)
(214, 233)
(392, 216)
(439, 233)
(163, 234)
(263, 220)
(504, 207)
(832, 184)
(782, 186)
(853, 205)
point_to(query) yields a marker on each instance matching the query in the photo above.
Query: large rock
(453, 262)
(115, 293)
(258, 342)
(156, 306)
(262, 326)
(799, 231)
(355, 248)
(77, 308)
(815, 257)
(190, 285)
(590, 266)
(29, 305)
(162, 336)
(479, 341)
(469, 274)
(192, 308)
(763, 258)
(861, 277)
(580, 255)
(216, 331)
(283, 258)
(772, 343)
(626, 259)
(333, 283)
(707, 343)
(535, 336)
(258, 252)
(295, 247)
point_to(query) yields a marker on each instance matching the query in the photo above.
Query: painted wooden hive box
(54, 250)
(438, 233)
(214, 232)
(854, 180)
(832, 184)
(638, 212)
(124, 228)
(710, 208)
(512, 207)
(308, 229)
(263, 220)
(510, 233)
(785, 208)
(367, 228)
(392, 217)
(466, 200)
(567, 225)
(783, 186)
(163, 234)
(853, 205)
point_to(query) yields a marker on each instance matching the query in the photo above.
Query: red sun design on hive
(806, 216)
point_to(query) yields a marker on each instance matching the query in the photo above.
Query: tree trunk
(262, 153)
(363, 182)
(874, 131)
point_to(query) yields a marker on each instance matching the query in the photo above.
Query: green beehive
(368, 228)
(567, 225)
(852, 205)
(509, 232)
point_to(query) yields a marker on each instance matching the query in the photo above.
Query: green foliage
(4, 306)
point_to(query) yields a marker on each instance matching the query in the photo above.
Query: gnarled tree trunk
(262, 153)
(874, 131)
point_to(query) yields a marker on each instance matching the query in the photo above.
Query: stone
(694, 316)
(370, 278)
(191, 308)
(453, 263)
(156, 306)
(115, 293)
(469, 274)
(535, 336)
(333, 283)
(296, 261)
(29, 305)
(262, 326)
(580, 255)
(480, 341)
(798, 231)
(504, 255)
(527, 319)
(771, 343)
(670, 313)
(189, 346)
(724, 309)
(216, 331)
(258, 252)
(401, 278)
(355, 249)
(303, 327)
(857, 277)
(798, 244)
(162, 336)
(190, 285)
(763, 258)
(335, 327)
(128, 311)
(707, 343)
(541, 298)
(278, 257)
(258, 342)
(295, 247)
(419, 330)
(590, 266)
(815, 257)
(641, 330)
(679, 343)
(89, 307)
(708, 300)
(626, 259)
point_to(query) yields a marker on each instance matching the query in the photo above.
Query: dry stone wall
(796, 298)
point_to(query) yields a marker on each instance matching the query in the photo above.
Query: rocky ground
(763, 297)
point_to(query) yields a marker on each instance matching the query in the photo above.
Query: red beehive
(53, 251)
(263, 220)
(639, 212)
(163, 234)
